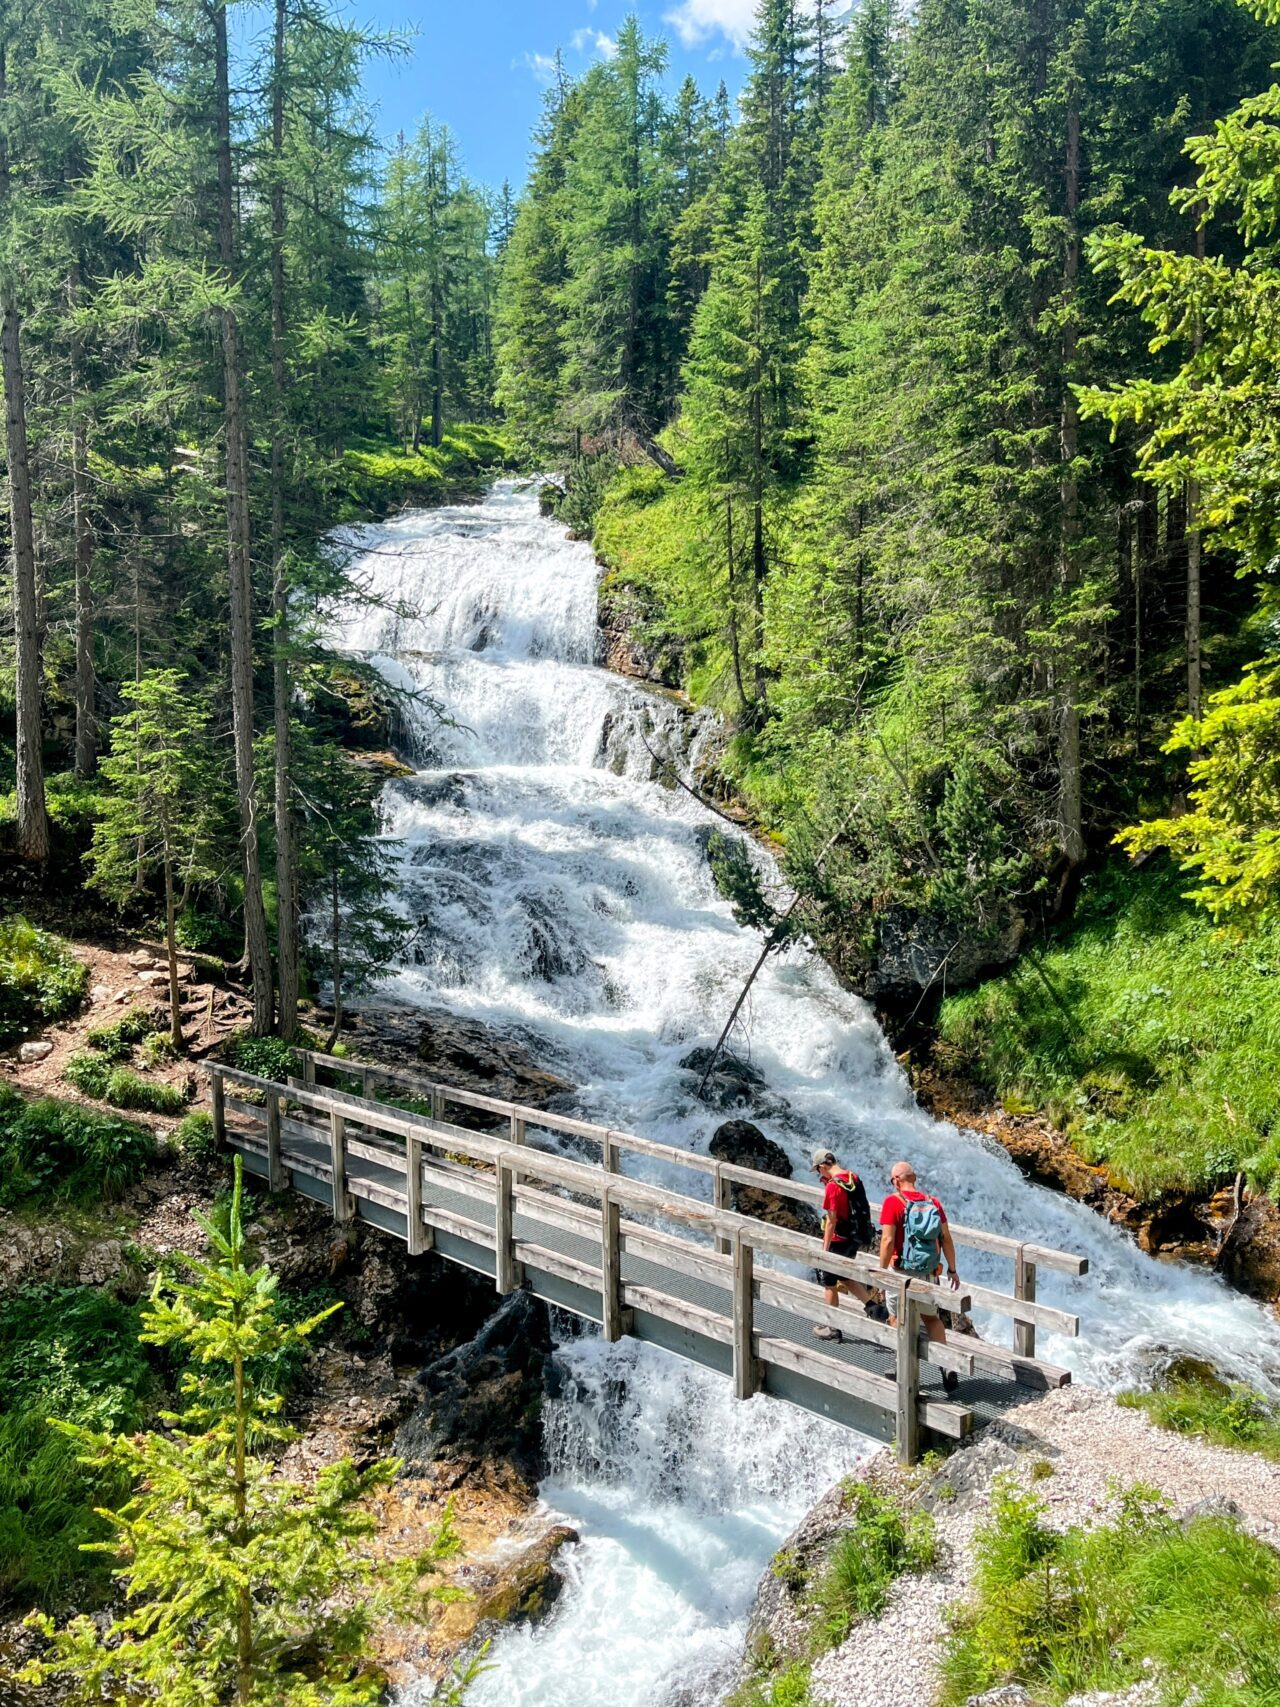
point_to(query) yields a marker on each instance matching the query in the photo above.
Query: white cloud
(542, 65)
(696, 21)
(583, 40)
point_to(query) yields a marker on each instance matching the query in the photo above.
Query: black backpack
(857, 1215)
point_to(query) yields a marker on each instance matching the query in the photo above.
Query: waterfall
(565, 898)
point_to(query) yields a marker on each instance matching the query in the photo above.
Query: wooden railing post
(908, 1410)
(343, 1202)
(504, 1227)
(217, 1102)
(421, 1237)
(368, 1080)
(612, 1314)
(275, 1162)
(609, 1153)
(308, 1069)
(746, 1369)
(437, 1103)
(1024, 1287)
(723, 1245)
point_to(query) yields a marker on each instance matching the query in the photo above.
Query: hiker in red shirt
(846, 1230)
(914, 1237)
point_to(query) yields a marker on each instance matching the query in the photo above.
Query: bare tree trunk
(1194, 557)
(282, 684)
(336, 925)
(171, 952)
(33, 822)
(733, 601)
(86, 758)
(1070, 787)
(239, 562)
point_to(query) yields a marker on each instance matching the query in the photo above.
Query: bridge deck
(722, 1289)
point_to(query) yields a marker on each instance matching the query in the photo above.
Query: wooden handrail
(976, 1238)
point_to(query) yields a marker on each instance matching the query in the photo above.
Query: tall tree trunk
(1194, 555)
(437, 363)
(282, 684)
(239, 562)
(171, 951)
(336, 926)
(1070, 786)
(33, 821)
(86, 759)
(733, 601)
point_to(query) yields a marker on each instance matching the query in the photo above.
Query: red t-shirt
(893, 1212)
(835, 1202)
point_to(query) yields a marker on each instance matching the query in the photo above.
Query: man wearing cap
(846, 1230)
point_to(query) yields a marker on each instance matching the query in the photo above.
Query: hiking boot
(875, 1311)
(823, 1332)
(950, 1379)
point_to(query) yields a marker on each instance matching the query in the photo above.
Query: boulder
(36, 1050)
(912, 950)
(732, 1082)
(745, 1145)
(479, 1422)
(141, 960)
(527, 1588)
(154, 978)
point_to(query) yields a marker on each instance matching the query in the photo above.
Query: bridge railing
(304, 1127)
(1025, 1256)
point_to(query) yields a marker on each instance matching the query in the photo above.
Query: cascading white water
(567, 899)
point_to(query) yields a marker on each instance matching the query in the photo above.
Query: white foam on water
(567, 898)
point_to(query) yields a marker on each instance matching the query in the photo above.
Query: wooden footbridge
(722, 1288)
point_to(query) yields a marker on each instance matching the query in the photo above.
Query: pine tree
(238, 1584)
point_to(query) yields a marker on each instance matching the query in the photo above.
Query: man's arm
(949, 1251)
(828, 1230)
(888, 1242)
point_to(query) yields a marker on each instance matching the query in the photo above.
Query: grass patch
(194, 1136)
(115, 1041)
(40, 979)
(1101, 1608)
(374, 480)
(881, 1543)
(266, 1057)
(95, 1076)
(786, 1688)
(1148, 1034)
(70, 1352)
(1209, 1409)
(60, 1152)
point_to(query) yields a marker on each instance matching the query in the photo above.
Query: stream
(569, 903)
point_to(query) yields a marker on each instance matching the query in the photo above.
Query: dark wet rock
(914, 952)
(746, 1146)
(470, 1055)
(480, 1420)
(633, 638)
(732, 1082)
(527, 1588)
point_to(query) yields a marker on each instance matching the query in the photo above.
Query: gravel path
(1093, 1445)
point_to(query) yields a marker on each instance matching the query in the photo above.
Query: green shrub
(127, 1089)
(156, 1049)
(786, 1688)
(40, 979)
(115, 1040)
(63, 1152)
(88, 1073)
(1212, 1410)
(195, 1136)
(1099, 1609)
(70, 1352)
(1150, 1035)
(882, 1542)
(208, 933)
(267, 1057)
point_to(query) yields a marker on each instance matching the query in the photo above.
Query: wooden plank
(1024, 1289)
(746, 1370)
(1042, 1315)
(691, 1316)
(275, 1167)
(460, 1225)
(419, 1234)
(343, 1208)
(955, 1421)
(533, 1255)
(504, 1230)
(610, 1268)
(677, 1254)
(999, 1360)
(854, 1325)
(907, 1409)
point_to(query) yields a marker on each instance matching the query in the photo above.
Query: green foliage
(739, 880)
(375, 482)
(588, 478)
(121, 1086)
(156, 1049)
(788, 1687)
(267, 1057)
(40, 979)
(88, 1073)
(1092, 1609)
(236, 1581)
(1200, 1405)
(59, 1152)
(114, 1041)
(880, 1543)
(194, 1135)
(1150, 1036)
(72, 1352)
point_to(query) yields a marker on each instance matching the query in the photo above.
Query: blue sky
(482, 68)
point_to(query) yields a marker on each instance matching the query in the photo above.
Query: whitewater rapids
(565, 897)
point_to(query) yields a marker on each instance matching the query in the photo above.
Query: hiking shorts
(839, 1248)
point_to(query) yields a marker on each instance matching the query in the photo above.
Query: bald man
(914, 1238)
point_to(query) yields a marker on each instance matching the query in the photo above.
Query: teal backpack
(921, 1237)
